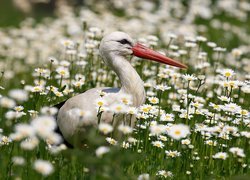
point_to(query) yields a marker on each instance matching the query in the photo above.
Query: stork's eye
(125, 41)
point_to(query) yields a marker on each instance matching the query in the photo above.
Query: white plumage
(114, 49)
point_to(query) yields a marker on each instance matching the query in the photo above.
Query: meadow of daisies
(195, 123)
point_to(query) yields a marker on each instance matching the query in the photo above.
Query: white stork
(114, 49)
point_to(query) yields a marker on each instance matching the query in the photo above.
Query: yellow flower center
(216, 106)
(125, 101)
(227, 74)
(100, 103)
(118, 108)
(177, 132)
(221, 156)
(243, 112)
(146, 110)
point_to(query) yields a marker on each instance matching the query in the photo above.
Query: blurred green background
(9, 15)
(12, 14)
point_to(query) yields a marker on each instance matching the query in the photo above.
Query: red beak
(142, 51)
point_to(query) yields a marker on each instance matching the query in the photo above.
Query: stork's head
(121, 44)
(118, 43)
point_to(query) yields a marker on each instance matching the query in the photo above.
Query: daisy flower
(118, 108)
(111, 141)
(144, 176)
(153, 100)
(162, 87)
(125, 129)
(228, 73)
(167, 117)
(126, 99)
(100, 102)
(100, 151)
(157, 129)
(105, 128)
(237, 151)
(164, 173)
(172, 153)
(220, 155)
(178, 131)
(158, 144)
(132, 110)
(43, 167)
(188, 77)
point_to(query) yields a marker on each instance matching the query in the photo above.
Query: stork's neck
(130, 80)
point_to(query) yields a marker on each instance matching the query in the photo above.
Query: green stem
(159, 106)
(187, 102)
